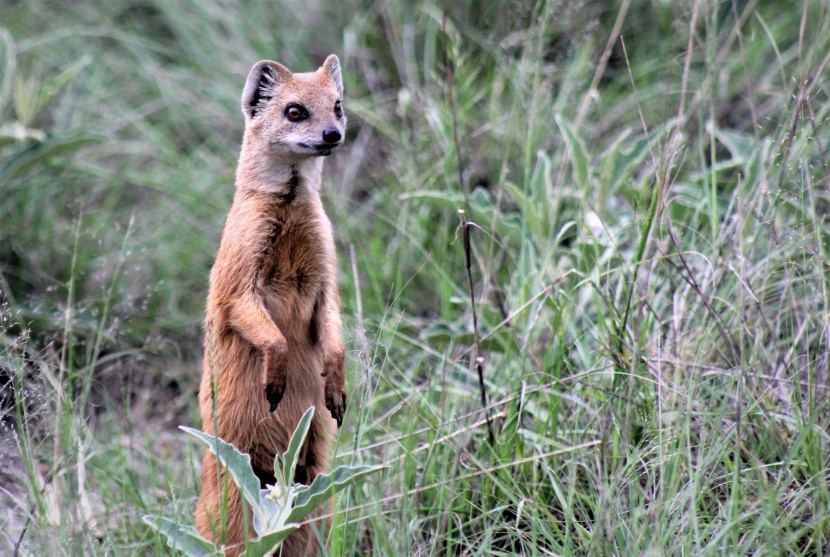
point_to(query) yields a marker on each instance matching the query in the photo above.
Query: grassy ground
(646, 188)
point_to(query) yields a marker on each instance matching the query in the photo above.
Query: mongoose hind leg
(208, 507)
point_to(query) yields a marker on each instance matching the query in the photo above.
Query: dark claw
(273, 394)
(337, 410)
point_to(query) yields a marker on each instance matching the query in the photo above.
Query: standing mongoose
(272, 328)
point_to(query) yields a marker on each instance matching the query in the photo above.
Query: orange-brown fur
(272, 327)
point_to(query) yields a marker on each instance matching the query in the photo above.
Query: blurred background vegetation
(648, 187)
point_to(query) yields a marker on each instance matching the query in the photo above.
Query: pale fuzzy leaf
(238, 464)
(268, 509)
(325, 485)
(579, 155)
(266, 544)
(292, 453)
(182, 538)
(274, 508)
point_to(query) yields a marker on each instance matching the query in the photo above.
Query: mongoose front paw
(274, 378)
(274, 392)
(336, 403)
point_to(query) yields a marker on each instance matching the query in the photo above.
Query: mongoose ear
(331, 67)
(262, 82)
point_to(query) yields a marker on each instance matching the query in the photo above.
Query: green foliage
(24, 147)
(277, 510)
(237, 464)
(183, 538)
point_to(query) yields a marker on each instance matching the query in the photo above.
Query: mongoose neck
(291, 177)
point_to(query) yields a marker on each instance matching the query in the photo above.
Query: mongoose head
(294, 115)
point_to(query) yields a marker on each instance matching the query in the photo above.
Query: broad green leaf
(324, 485)
(579, 155)
(521, 198)
(741, 146)
(539, 215)
(238, 464)
(41, 152)
(266, 544)
(33, 94)
(8, 65)
(439, 330)
(291, 455)
(620, 161)
(182, 538)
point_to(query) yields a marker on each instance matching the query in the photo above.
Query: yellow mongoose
(272, 329)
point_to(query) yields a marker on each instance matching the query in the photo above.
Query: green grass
(649, 261)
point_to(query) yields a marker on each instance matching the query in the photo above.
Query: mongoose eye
(338, 109)
(296, 113)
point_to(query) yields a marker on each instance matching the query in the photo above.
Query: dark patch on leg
(266, 476)
(313, 325)
(313, 334)
(262, 462)
(292, 186)
(310, 464)
(301, 475)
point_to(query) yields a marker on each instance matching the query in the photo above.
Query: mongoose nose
(331, 136)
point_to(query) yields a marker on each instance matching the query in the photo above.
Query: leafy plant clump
(277, 510)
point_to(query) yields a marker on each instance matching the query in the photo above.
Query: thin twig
(23, 533)
(603, 62)
(476, 361)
